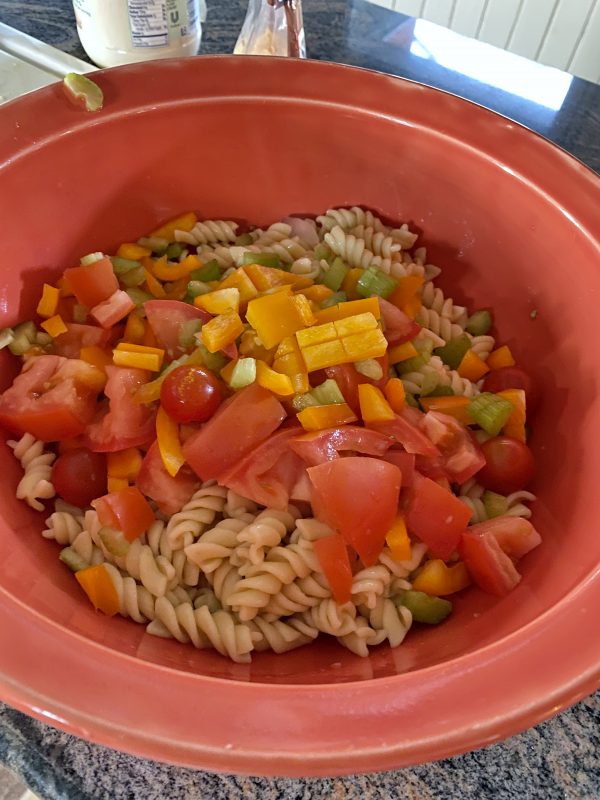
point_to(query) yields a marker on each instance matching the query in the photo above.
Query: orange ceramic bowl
(514, 222)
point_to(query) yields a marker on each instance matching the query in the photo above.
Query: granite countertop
(553, 761)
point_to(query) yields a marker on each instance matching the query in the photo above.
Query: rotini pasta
(196, 515)
(36, 483)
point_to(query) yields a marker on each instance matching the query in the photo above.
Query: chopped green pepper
(425, 608)
(174, 251)
(214, 361)
(490, 412)
(454, 351)
(375, 282)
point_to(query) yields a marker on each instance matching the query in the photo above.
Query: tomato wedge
(436, 516)
(153, 480)
(404, 431)
(77, 336)
(397, 326)
(126, 510)
(321, 446)
(405, 463)
(239, 426)
(461, 455)
(166, 318)
(358, 497)
(332, 552)
(93, 284)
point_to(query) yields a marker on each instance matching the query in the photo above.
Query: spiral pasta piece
(309, 267)
(361, 638)
(354, 251)
(223, 581)
(281, 635)
(391, 619)
(209, 231)
(370, 584)
(63, 526)
(483, 346)
(239, 507)
(329, 617)
(265, 531)
(378, 242)
(197, 514)
(135, 601)
(36, 483)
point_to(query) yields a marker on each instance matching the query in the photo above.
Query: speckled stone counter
(558, 760)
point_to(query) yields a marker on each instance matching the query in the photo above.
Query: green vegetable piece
(174, 251)
(195, 289)
(6, 337)
(243, 240)
(495, 504)
(370, 368)
(327, 393)
(28, 330)
(123, 265)
(24, 335)
(479, 323)
(187, 333)
(134, 277)
(429, 385)
(213, 361)
(43, 339)
(114, 541)
(423, 346)
(324, 253)
(441, 391)
(83, 91)
(157, 244)
(138, 296)
(91, 258)
(413, 364)
(490, 412)
(454, 351)
(334, 299)
(209, 272)
(72, 559)
(302, 401)
(425, 608)
(263, 259)
(334, 277)
(375, 282)
(244, 373)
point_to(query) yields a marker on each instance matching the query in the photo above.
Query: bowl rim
(541, 688)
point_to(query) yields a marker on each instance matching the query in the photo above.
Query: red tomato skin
(166, 318)
(358, 497)
(242, 422)
(461, 455)
(321, 446)
(405, 463)
(69, 344)
(168, 492)
(51, 398)
(332, 553)
(190, 394)
(93, 284)
(405, 432)
(491, 569)
(397, 326)
(79, 476)
(113, 309)
(436, 516)
(128, 508)
(515, 535)
(501, 474)
(514, 378)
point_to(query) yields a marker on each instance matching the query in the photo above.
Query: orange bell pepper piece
(96, 356)
(406, 296)
(438, 579)
(349, 309)
(167, 436)
(251, 347)
(184, 222)
(220, 301)
(275, 316)
(265, 278)
(373, 405)
(398, 541)
(227, 370)
(48, 301)
(124, 463)
(221, 331)
(133, 251)
(173, 271)
(350, 281)
(472, 367)
(501, 357)
(317, 418)
(116, 484)
(241, 281)
(54, 326)
(456, 407)
(138, 355)
(97, 584)
(64, 288)
(288, 360)
(134, 329)
(177, 289)
(155, 288)
(515, 425)
(276, 382)
(395, 394)
(402, 352)
(317, 293)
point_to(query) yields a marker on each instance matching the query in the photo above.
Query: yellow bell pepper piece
(316, 335)
(288, 360)
(373, 405)
(456, 407)
(350, 281)
(501, 357)
(240, 280)
(265, 278)
(54, 326)
(134, 329)
(138, 355)
(317, 418)
(472, 367)
(398, 541)
(274, 381)
(227, 370)
(317, 293)
(327, 354)
(304, 309)
(438, 579)
(221, 331)
(124, 463)
(184, 222)
(116, 484)
(97, 584)
(406, 296)
(220, 301)
(358, 323)
(133, 252)
(48, 301)
(167, 436)
(96, 356)
(177, 290)
(349, 309)
(154, 287)
(300, 382)
(174, 270)
(275, 316)
(402, 352)
(515, 425)
(360, 346)
(251, 347)
(395, 394)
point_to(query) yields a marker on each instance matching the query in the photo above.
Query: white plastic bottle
(115, 32)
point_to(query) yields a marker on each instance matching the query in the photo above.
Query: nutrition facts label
(149, 23)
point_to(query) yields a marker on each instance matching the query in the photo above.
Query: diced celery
(187, 333)
(214, 361)
(174, 251)
(27, 329)
(264, 259)
(334, 277)
(495, 504)
(91, 258)
(479, 323)
(302, 401)
(425, 608)
(195, 289)
(157, 244)
(134, 277)
(122, 265)
(24, 335)
(334, 299)
(6, 337)
(243, 240)
(244, 373)
(411, 400)
(413, 364)
(324, 252)
(441, 391)
(138, 296)
(43, 339)
(375, 282)
(370, 368)
(72, 559)
(209, 272)
(454, 351)
(327, 393)
(114, 541)
(490, 412)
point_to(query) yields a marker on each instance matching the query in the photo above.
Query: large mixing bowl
(514, 222)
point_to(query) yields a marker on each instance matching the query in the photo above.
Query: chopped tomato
(513, 378)
(405, 463)
(240, 425)
(397, 326)
(348, 380)
(270, 473)
(490, 547)
(404, 431)
(126, 510)
(166, 318)
(77, 336)
(170, 494)
(125, 423)
(53, 398)
(113, 309)
(79, 476)
(93, 284)
(332, 553)
(461, 455)
(321, 446)
(359, 498)
(431, 467)
(436, 516)
(509, 465)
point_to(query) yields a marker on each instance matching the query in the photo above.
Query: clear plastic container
(115, 32)
(272, 28)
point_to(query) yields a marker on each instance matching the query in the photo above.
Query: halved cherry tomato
(126, 510)
(53, 398)
(241, 424)
(436, 516)
(153, 480)
(359, 498)
(166, 318)
(509, 465)
(332, 553)
(93, 284)
(190, 394)
(322, 446)
(79, 476)
(513, 378)
(397, 326)
(461, 455)
(77, 336)
(403, 430)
